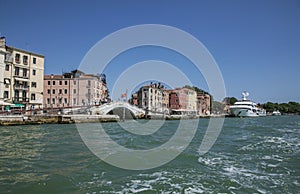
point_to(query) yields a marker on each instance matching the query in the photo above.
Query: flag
(123, 95)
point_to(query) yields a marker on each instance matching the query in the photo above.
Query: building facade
(74, 89)
(2, 65)
(183, 101)
(23, 77)
(203, 103)
(153, 98)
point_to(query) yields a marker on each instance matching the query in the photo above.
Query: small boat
(276, 112)
(246, 108)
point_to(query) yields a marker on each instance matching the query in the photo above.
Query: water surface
(251, 155)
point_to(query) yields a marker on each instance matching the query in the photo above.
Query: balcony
(20, 99)
(20, 77)
(21, 87)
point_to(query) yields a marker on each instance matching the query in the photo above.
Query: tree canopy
(195, 88)
(290, 107)
(229, 100)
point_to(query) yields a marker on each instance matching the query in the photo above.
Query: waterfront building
(153, 98)
(183, 101)
(165, 101)
(134, 99)
(22, 79)
(203, 103)
(2, 65)
(74, 89)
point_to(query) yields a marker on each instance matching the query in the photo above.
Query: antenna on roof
(244, 95)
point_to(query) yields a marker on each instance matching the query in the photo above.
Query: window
(17, 94)
(89, 82)
(24, 94)
(66, 91)
(32, 97)
(33, 84)
(34, 60)
(74, 91)
(6, 67)
(17, 58)
(49, 83)
(60, 91)
(59, 101)
(5, 95)
(74, 82)
(66, 82)
(24, 72)
(25, 60)
(6, 81)
(66, 101)
(53, 83)
(60, 83)
(74, 101)
(33, 72)
(53, 100)
(48, 92)
(53, 91)
(48, 100)
(16, 70)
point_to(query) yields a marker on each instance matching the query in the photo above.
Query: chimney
(2, 42)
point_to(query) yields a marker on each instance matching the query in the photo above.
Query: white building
(154, 98)
(23, 77)
(2, 65)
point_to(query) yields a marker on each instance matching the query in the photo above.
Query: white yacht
(246, 108)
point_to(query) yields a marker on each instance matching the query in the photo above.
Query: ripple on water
(259, 155)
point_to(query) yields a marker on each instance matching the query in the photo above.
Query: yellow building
(23, 77)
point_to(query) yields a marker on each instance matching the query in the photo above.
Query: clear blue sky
(256, 43)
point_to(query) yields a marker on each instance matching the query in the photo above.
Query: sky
(255, 43)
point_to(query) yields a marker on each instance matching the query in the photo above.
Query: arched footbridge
(118, 108)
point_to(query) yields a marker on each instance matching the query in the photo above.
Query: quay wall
(55, 119)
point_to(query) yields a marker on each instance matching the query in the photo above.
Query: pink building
(74, 89)
(183, 101)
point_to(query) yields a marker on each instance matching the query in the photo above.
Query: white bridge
(106, 108)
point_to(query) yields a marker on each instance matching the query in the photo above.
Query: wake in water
(251, 155)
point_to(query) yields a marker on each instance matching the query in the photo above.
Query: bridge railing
(103, 109)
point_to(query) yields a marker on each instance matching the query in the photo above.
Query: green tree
(217, 107)
(290, 107)
(229, 100)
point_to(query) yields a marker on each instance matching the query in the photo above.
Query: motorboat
(246, 108)
(276, 112)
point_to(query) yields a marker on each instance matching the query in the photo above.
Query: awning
(2, 103)
(21, 79)
(18, 105)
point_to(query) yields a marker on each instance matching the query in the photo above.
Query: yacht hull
(239, 112)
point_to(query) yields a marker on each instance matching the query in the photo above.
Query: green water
(251, 155)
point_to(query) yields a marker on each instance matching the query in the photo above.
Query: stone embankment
(56, 119)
